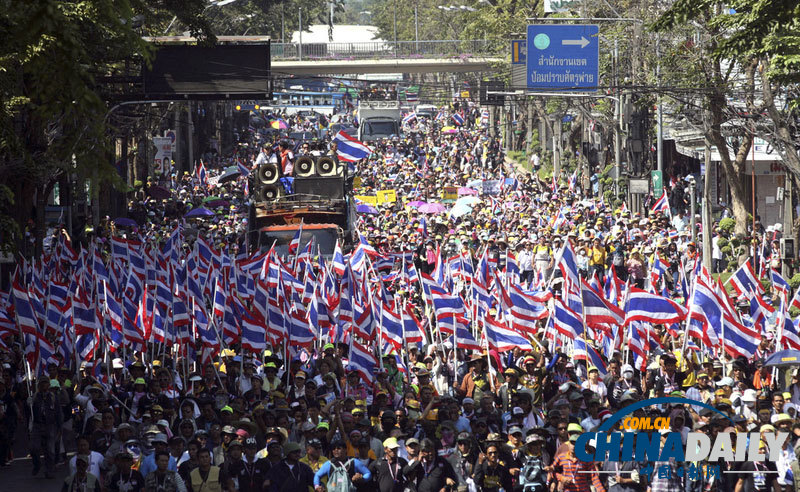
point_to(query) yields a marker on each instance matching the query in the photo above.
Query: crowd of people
(428, 416)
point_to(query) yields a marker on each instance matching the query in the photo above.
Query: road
(17, 477)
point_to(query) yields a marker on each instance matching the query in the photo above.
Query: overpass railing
(385, 49)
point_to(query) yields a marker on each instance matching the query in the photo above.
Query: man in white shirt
(95, 459)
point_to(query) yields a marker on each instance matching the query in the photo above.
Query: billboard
(227, 71)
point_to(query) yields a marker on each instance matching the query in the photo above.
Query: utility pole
(416, 24)
(692, 195)
(660, 122)
(300, 34)
(617, 120)
(707, 205)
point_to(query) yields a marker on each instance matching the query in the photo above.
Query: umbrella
(199, 212)
(279, 124)
(467, 191)
(460, 209)
(125, 222)
(468, 200)
(219, 203)
(366, 209)
(211, 199)
(417, 203)
(783, 358)
(432, 208)
(158, 192)
(449, 129)
(229, 174)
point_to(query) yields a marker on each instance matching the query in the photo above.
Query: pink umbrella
(416, 203)
(467, 191)
(432, 208)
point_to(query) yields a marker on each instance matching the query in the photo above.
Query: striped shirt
(573, 469)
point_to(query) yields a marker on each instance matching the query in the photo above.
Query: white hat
(749, 395)
(116, 364)
(726, 381)
(160, 437)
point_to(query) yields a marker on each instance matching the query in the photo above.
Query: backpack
(339, 479)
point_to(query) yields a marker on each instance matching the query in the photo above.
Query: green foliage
(9, 229)
(726, 250)
(795, 281)
(765, 29)
(727, 224)
(722, 242)
(53, 106)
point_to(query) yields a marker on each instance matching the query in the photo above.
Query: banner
(368, 199)
(450, 194)
(387, 196)
(162, 161)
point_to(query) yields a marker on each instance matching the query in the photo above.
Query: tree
(755, 37)
(53, 117)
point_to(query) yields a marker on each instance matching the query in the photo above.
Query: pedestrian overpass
(385, 57)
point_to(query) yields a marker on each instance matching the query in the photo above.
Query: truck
(322, 205)
(378, 120)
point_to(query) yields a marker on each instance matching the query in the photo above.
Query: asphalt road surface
(17, 477)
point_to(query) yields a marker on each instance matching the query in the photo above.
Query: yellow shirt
(315, 466)
(597, 256)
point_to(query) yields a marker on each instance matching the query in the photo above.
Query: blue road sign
(563, 57)
(519, 52)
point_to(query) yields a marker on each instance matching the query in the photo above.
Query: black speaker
(323, 186)
(305, 166)
(268, 173)
(268, 193)
(326, 166)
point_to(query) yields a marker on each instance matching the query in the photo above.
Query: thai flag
(501, 338)
(662, 205)
(294, 245)
(582, 351)
(597, 310)
(338, 260)
(364, 245)
(740, 339)
(760, 311)
(637, 346)
(392, 326)
(572, 180)
(566, 321)
(463, 339)
(409, 118)
(568, 265)
(349, 149)
(526, 309)
(779, 283)
(412, 330)
(791, 336)
(440, 115)
(412, 97)
(558, 221)
(644, 306)
(709, 309)
(362, 361)
(200, 174)
(458, 119)
(795, 300)
(243, 170)
(422, 228)
(254, 332)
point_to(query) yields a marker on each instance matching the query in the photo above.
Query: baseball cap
(726, 381)
(391, 443)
